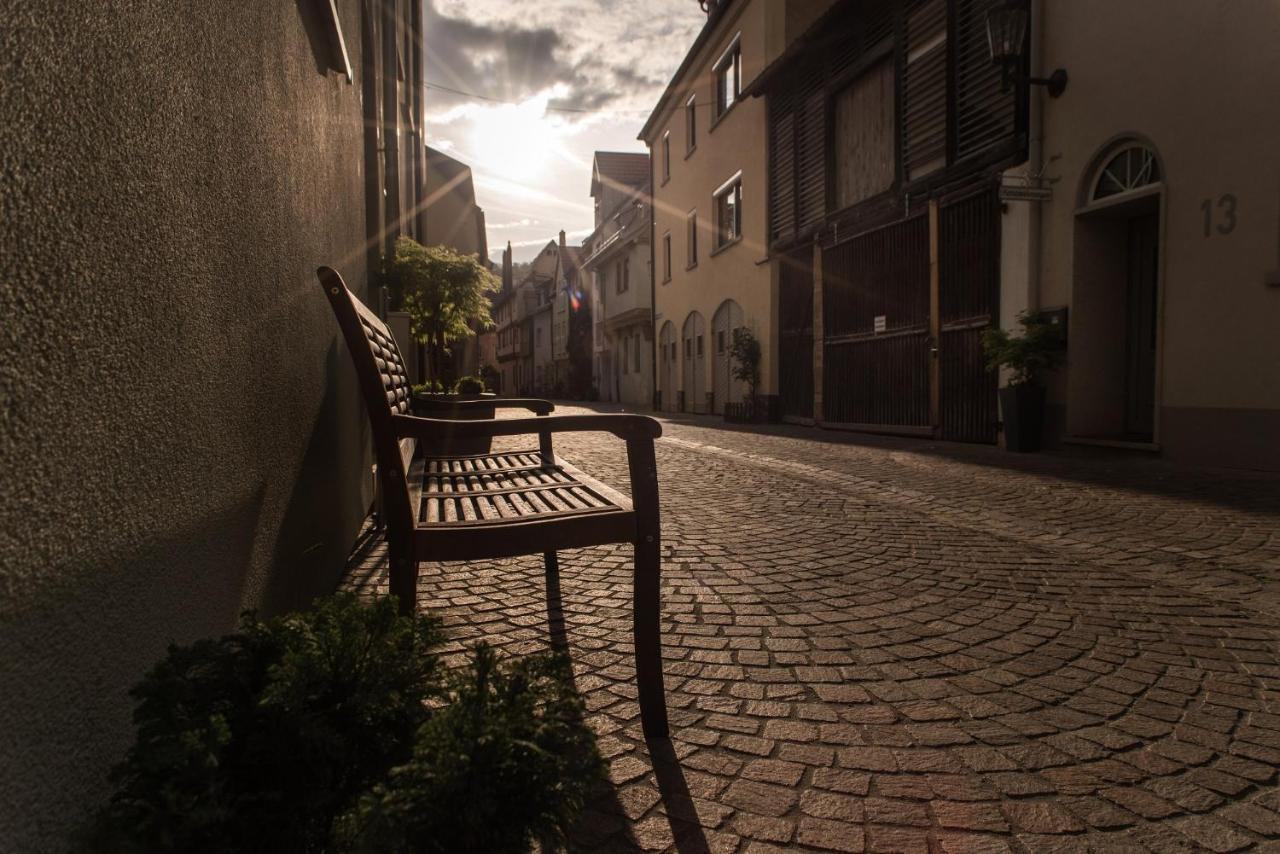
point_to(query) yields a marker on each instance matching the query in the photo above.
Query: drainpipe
(1035, 153)
(653, 294)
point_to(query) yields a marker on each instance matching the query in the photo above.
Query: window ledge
(716, 120)
(724, 247)
(693, 266)
(689, 152)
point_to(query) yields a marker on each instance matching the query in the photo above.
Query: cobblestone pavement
(893, 645)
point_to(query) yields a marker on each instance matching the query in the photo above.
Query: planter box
(763, 410)
(430, 405)
(1023, 410)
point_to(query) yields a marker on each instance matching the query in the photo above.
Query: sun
(515, 141)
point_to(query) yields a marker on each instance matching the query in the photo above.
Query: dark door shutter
(782, 168)
(985, 115)
(924, 118)
(811, 155)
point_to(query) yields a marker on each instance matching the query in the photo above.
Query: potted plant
(341, 729)
(430, 401)
(1039, 348)
(744, 351)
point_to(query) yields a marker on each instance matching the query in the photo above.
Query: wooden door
(695, 363)
(795, 333)
(1140, 326)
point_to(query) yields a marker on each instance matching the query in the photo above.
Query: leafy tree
(444, 293)
(745, 352)
(1040, 347)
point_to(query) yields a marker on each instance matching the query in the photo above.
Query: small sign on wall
(881, 323)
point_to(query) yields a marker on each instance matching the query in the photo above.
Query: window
(728, 71)
(692, 223)
(924, 120)
(1135, 166)
(864, 138)
(699, 346)
(688, 348)
(666, 257)
(538, 336)
(624, 357)
(691, 124)
(720, 341)
(666, 157)
(728, 211)
(622, 276)
(637, 352)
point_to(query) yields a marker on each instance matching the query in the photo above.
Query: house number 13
(1225, 221)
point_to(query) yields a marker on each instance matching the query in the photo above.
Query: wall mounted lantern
(1007, 40)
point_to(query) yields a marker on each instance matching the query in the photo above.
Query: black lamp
(1007, 39)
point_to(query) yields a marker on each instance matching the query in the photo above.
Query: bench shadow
(672, 786)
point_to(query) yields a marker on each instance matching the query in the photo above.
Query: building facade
(917, 197)
(707, 143)
(619, 263)
(185, 213)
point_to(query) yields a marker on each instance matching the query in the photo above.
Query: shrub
(469, 385)
(337, 729)
(257, 741)
(505, 763)
(1039, 348)
(429, 387)
(745, 352)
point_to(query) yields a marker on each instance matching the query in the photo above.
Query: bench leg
(403, 575)
(648, 639)
(552, 562)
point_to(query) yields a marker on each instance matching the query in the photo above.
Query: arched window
(1132, 167)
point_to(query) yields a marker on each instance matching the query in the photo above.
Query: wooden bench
(498, 505)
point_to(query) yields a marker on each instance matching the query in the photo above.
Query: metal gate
(888, 362)
(724, 388)
(795, 334)
(969, 294)
(875, 319)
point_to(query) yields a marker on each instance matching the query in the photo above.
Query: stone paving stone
(891, 645)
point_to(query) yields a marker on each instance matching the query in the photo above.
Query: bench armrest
(534, 405)
(622, 426)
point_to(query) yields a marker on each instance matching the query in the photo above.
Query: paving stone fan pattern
(880, 645)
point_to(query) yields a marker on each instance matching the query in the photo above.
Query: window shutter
(811, 166)
(985, 116)
(782, 175)
(924, 117)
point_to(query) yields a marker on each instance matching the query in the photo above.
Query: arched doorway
(724, 387)
(1113, 388)
(695, 363)
(667, 357)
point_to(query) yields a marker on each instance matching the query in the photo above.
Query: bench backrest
(384, 382)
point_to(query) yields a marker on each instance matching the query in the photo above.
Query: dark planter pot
(1023, 408)
(441, 406)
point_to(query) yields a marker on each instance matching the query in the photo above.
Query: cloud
(592, 56)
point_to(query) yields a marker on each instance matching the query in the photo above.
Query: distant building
(707, 141)
(453, 219)
(618, 259)
(570, 326)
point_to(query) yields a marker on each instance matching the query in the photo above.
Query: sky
(604, 63)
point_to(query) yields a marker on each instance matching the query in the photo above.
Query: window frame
(666, 157)
(666, 257)
(730, 58)
(691, 124)
(732, 186)
(691, 239)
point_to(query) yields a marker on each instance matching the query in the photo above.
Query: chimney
(562, 238)
(506, 267)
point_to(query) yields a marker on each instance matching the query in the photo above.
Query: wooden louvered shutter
(924, 118)
(985, 116)
(811, 166)
(782, 168)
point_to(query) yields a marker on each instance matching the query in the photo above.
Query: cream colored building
(707, 146)
(1160, 233)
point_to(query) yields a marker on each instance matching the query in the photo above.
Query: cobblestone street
(898, 645)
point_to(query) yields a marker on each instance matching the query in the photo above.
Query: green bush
(429, 387)
(303, 733)
(1041, 347)
(470, 384)
(505, 763)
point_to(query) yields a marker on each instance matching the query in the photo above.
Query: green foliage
(470, 384)
(490, 376)
(1041, 347)
(745, 352)
(444, 293)
(258, 740)
(338, 730)
(505, 763)
(429, 387)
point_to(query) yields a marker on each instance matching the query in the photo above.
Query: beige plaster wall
(737, 142)
(1197, 79)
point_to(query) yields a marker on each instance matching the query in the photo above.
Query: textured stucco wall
(181, 438)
